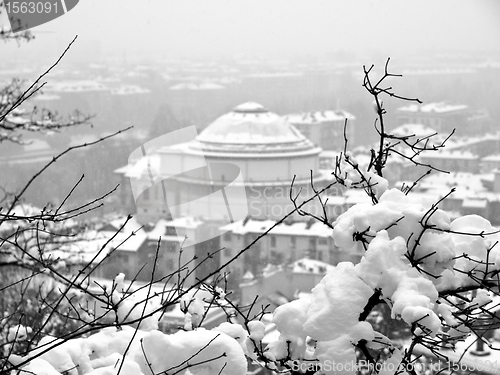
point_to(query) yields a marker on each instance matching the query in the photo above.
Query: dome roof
(251, 124)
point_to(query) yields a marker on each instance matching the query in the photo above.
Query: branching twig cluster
(471, 317)
(14, 119)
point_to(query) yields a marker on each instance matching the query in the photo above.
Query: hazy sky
(272, 27)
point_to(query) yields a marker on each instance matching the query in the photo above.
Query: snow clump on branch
(412, 253)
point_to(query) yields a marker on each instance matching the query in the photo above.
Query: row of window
(228, 253)
(293, 239)
(125, 258)
(158, 193)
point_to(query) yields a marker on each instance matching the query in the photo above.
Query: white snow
(410, 250)
(289, 320)
(448, 154)
(197, 86)
(393, 234)
(250, 124)
(200, 351)
(416, 130)
(18, 333)
(194, 304)
(336, 302)
(495, 157)
(77, 86)
(257, 330)
(242, 227)
(306, 265)
(136, 307)
(129, 90)
(211, 351)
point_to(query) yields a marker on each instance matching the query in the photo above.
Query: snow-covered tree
(435, 275)
(438, 276)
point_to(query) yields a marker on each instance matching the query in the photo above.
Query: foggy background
(151, 29)
(189, 62)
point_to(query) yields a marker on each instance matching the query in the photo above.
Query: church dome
(250, 126)
(243, 162)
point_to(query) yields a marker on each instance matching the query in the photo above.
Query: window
(273, 241)
(276, 257)
(294, 241)
(323, 241)
(228, 252)
(171, 231)
(227, 236)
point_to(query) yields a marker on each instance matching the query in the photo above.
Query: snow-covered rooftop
(250, 107)
(467, 184)
(460, 142)
(294, 229)
(77, 86)
(47, 97)
(197, 86)
(250, 123)
(350, 197)
(179, 223)
(417, 130)
(329, 154)
(149, 163)
(474, 203)
(445, 154)
(274, 74)
(438, 107)
(36, 145)
(439, 71)
(129, 90)
(312, 118)
(306, 265)
(495, 157)
(94, 245)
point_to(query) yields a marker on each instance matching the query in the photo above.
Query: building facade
(284, 244)
(251, 155)
(325, 128)
(445, 117)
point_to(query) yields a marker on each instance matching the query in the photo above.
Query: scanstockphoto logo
(24, 15)
(224, 201)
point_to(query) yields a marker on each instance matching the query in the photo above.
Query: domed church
(241, 165)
